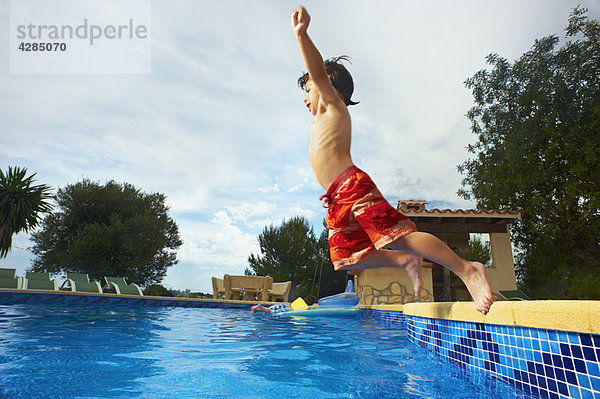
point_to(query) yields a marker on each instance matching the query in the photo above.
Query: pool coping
(574, 315)
(549, 314)
(10, 295)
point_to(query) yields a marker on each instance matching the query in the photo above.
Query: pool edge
(550, 349)
(576, 316)
(14, 296)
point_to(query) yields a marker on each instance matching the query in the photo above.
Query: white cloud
(210, 249)
(273, 189)
(308, 213)
(296, 187)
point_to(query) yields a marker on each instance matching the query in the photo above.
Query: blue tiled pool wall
(8, 298)
(390, 318)
(546, 363)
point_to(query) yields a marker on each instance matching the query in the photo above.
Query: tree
(109, 230)
(158, 290)
(480, 251)
(538, 150)
(289, 252)
(21, 204)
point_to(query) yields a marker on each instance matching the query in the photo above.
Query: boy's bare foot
(413, 269)
(476, 281)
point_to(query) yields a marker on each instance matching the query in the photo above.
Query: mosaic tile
(389, 318)
(547, 363)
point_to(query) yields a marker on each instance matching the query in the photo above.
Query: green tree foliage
(538, 127)
(480, 251)
(158, 290)
(21, 204)
(290, 252)
(108, 230)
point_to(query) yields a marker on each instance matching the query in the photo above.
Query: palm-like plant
(20, 205)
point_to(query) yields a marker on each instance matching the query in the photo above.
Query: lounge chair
(121, 287)
(514, 295)
(280, 291)
(39, 281)
(218, 287)
(9, 279)
(81, 283)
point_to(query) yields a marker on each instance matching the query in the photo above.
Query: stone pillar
(502, 273)
(390, 285)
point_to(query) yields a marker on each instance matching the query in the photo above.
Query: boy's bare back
(330, 131)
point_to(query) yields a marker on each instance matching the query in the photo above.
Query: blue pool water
(89, 351)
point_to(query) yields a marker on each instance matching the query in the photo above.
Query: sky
(219, 126)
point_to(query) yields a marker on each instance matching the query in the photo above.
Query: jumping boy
(365, 231)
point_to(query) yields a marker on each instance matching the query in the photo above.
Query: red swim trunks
(359, 219)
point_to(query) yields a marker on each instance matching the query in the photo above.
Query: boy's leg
(260, 308)
(471, 273)
(386, 258)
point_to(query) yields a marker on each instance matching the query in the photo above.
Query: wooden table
(247, 285)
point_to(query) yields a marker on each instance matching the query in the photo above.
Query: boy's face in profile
(311, 99)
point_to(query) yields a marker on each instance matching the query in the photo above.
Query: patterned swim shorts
(279, 308)
(359, 219)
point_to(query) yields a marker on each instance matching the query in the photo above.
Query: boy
(365, 231)
(281, 307)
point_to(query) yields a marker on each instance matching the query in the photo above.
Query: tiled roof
(496, 213)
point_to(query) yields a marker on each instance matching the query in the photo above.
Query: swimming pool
(53, 350)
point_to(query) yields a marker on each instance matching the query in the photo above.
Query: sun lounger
(280, 291)
(121, 287)
(39, 281)
(81, 282)
(9, 279)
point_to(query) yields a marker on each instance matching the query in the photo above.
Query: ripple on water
(89, 351)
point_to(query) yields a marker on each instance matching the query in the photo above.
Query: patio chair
(218, 287)
(39, 281)
(9, 279)
(280, 291)
(121, 286)
(81, 282)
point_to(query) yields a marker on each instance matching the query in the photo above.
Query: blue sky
(219, 126)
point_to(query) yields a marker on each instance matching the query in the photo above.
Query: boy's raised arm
(311, 56)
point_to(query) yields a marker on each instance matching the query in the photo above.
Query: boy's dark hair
(338, 75)
(310, 299)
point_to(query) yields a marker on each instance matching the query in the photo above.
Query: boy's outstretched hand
(300, 20)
